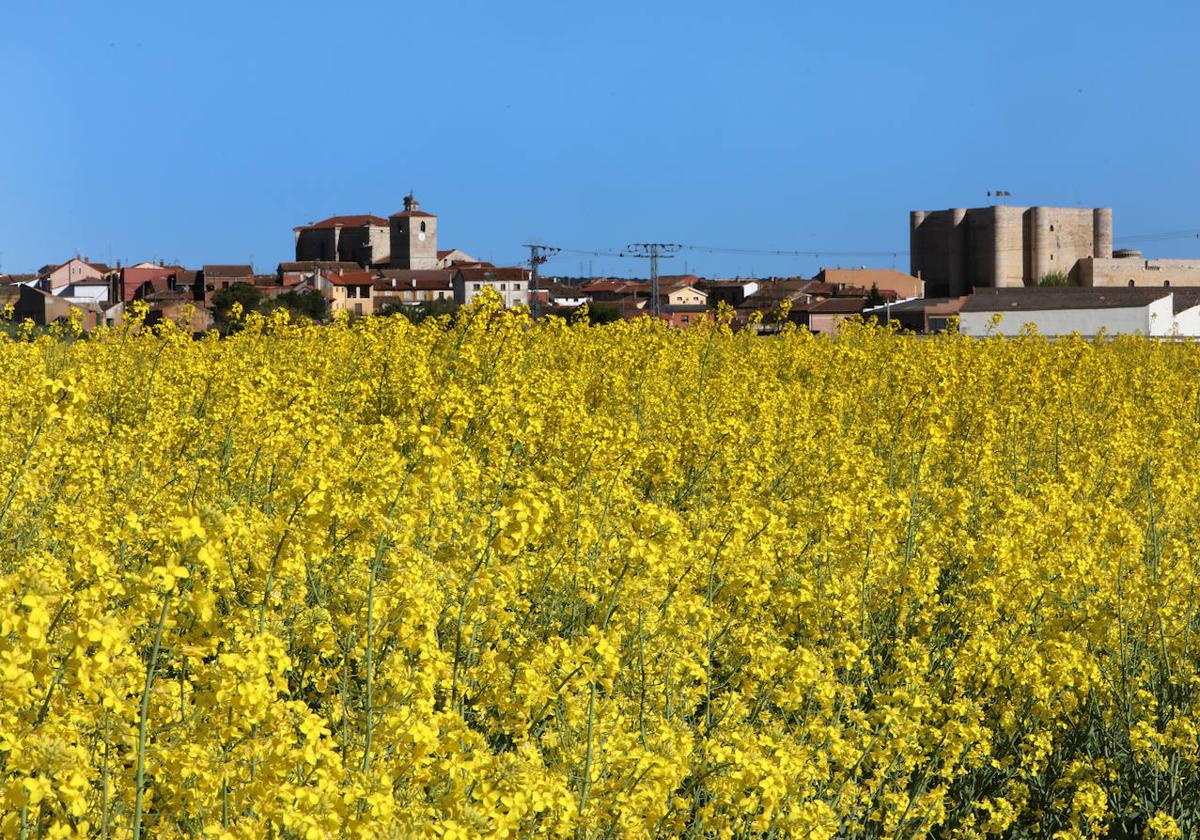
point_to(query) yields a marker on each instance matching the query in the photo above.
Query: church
(404, 240)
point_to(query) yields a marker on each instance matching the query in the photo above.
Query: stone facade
(414, 238)
(1131, 270)
(959, 249)
(364, 240)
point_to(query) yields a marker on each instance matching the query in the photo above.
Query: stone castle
(957, 250)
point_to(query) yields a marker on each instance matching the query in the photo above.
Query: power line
(538, 254)
(769, 252)
(653, 251)
(639, 250)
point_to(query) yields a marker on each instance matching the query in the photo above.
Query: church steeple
(413, 237)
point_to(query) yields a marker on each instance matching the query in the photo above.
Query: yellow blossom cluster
(484, 577)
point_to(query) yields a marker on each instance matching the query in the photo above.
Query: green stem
(143, 714)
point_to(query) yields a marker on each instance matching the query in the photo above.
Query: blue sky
(203, 132)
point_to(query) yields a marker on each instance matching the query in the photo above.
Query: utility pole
(538, 254)
(653, 251)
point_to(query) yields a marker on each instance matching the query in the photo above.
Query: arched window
(422, 227)
(1166, 282)
(1131, 282)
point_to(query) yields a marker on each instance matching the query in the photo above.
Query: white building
(1087, 311)
(511, 284)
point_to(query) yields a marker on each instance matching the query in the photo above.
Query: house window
(441, 295)
(476, 285)
(1131, 282)
(1051, 228)
(358, 309)
(423, 227)
(502, 287)
(516, 287)
(1166, 282)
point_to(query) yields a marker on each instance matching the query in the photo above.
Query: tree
(875, 297)
(421, 311)
(244, 293)
(599, 313)
(308, 303)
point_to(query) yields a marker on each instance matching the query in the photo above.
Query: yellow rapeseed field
(485, 578)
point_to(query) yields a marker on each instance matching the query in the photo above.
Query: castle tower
(1102, 233)
(413, 237)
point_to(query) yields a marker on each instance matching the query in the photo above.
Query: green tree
(308, 303)
(600, 313)
(223, 300)
(418, 313)
(875, 297)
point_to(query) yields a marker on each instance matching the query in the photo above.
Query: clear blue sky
(204, 131)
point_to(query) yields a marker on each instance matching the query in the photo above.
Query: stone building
(414, 238)
(956, 250)
(1127, 267)
(359, 239)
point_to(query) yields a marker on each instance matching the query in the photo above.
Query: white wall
(1187, 322)
(1067, 321)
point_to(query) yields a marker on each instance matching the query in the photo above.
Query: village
(990, 270)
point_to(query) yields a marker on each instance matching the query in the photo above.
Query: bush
(1055, 278)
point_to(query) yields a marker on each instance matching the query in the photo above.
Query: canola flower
(486, 578)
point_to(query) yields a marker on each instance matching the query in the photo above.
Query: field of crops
(495, 579)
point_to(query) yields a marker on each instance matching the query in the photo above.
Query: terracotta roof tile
(346, 221)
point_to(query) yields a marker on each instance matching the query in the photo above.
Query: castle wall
(1119, 272)
(958, 249)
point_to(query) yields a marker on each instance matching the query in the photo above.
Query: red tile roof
(838, 306)
(410, 213)
(346, 221)
(612, 286)
(429, 279)
(494, 273)
(211, 271)
(351, 278)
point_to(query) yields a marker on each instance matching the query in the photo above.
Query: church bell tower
(413, 237)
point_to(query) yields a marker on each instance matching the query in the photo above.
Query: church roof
(346, 221)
